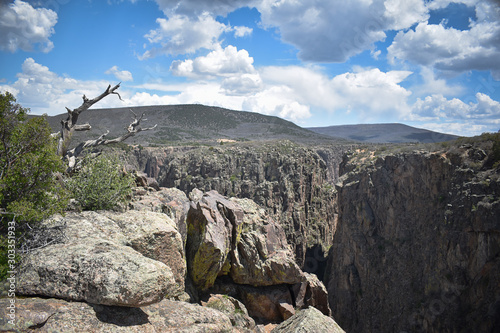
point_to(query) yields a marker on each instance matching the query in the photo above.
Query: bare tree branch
(68, 126)
(84, 127)
(132, 130)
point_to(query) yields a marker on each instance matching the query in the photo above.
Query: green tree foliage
(28, 163)
(100, 183)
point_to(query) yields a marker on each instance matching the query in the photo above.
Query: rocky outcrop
(170, 201)
(262, 256)
(137, 257)
(55, 315)
(417, 243)
(236, 238)
(96, 271)
(214, 228)
(128, 259)
(293, 182)
(234, 309)
(308, 320)
(311, 292)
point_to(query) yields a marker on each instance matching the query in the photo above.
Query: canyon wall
(418, 241)
(413, 236)
(295, 183)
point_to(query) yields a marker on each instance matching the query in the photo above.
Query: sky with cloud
(432, 64)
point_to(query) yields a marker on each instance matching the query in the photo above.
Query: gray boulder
(233, 308)
(55, 315)
(170, 201)
(262, 256)
(214, 227)
(129, 259)
(97, 271)
(155, 236)
(310, 320)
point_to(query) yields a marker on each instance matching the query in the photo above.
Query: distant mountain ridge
(383, 133)
(199, 123)
(191, 123)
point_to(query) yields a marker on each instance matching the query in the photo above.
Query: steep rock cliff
(295, 183)
(418, 241)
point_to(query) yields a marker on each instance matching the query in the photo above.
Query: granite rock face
(55, 315)
(262, 256)
(418, 242)
(214, 228)
(170, 201)
(99, 272)
(236, 238)
(128, 259)
(309, 320)
(232, 308)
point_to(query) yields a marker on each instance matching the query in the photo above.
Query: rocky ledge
(167, 263)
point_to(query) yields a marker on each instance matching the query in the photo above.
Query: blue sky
(432, 64)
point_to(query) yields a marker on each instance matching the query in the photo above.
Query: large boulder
(155, 236)
(55, 315)
(236, 237)
(170, 201)
(310, 320)
(232, 308)
(97, 271)
(214, 227)
(130, 259)
(311, 292)
(262, 256)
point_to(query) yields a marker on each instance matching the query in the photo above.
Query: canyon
(405, 238)
(381, 238)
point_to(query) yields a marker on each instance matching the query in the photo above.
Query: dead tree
(69, 126)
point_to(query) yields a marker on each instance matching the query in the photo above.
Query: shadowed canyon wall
(417, 244)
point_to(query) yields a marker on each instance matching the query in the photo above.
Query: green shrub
(28, 164)
(100, 183)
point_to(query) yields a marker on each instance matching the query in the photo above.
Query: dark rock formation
(418, 242)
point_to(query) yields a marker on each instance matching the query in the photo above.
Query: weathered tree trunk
(69, 126)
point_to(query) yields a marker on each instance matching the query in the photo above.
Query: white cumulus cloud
(120, 75)
(242, 31)
(367, 92)
(180, 34)
(277, 101)
(220, 62)
(44, 91)
(449, 49)
(436, 107)
(24, 27)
